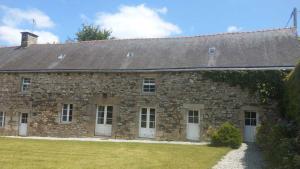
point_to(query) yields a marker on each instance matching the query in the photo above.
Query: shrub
(279, 148)
(227, 135)
(280, 138)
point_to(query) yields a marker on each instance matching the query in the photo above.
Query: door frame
(105, 118)
(244, 125)
(140, 121)
(187, 123)
(20, 121)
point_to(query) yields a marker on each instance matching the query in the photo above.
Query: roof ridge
(174, 37)
(192, 36)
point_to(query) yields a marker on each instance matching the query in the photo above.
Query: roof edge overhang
(184, 69)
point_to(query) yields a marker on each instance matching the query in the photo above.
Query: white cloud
(234, 29)
(12, 36)
(137, 21)
(163, 10)
(14, 17)
(85, 19)
(14, 21)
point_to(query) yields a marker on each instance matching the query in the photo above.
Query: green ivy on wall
(268, 84)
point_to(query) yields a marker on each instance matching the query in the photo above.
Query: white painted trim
(68, 114)
(3, 120)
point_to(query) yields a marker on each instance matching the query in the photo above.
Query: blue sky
(56, 20)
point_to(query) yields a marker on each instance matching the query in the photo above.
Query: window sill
(65, 122)
(25, 93)
(148, 93)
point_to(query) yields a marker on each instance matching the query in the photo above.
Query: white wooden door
(104, 118)
(23, 124)
(193, 127)
(147, 123)
(250, 126)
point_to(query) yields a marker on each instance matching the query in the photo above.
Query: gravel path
(246, 157)
(103, 139)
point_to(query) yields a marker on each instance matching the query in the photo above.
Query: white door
(250, 126)
(104, 116)
(23, 124)
(147, 123)
(193, 130)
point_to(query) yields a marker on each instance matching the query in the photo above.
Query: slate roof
(277, 48)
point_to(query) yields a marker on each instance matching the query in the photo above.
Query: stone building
(137, 88)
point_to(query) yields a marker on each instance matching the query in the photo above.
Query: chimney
(28, 39)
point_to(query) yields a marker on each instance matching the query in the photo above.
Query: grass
(42, 154)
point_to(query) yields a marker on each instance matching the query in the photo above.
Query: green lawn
(40, 154)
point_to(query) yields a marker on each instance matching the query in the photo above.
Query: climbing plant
(268, 84)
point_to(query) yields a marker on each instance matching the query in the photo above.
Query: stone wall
(176, 93)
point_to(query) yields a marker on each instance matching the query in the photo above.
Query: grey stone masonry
(176, 93)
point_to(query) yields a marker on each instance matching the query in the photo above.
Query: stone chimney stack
(28, 39)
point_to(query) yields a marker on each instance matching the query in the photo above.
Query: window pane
(152, 118)
(100, 120)
(191, 120)
(101, 114)
(109, 108)
(143, 124)
(196, 119)
(253, 115)
(71, 106)
(247, 114)
(196, 114)
(109, 114)
(70, 118)
(191, 113)
(65, 106)
(65, 112)
(64, 118)
(144, 111)
(253, 122)
(101, 108)
(152, 112)
(109, 121)
(26, 80)
(24, 118)
(247, 122)
(109, 111)
(152, 125)
(149, 85)
(152, 89)
(144, 117)
(1, 119)
(146, 88)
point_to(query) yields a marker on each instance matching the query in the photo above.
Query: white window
(193, 116)
(2, 119)
(25, 84)
(149, 85)
(104, 115)
(67, 112)
(148, 118)
(250, 118)
(211, 50)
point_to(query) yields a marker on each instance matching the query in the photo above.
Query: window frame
(105, 113)
(2, 123)
(69, 111)
(250, 118)
(27, 84)
(148, 84)
(194, 117)
(150, 124)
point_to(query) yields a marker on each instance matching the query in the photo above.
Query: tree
(92, 32)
